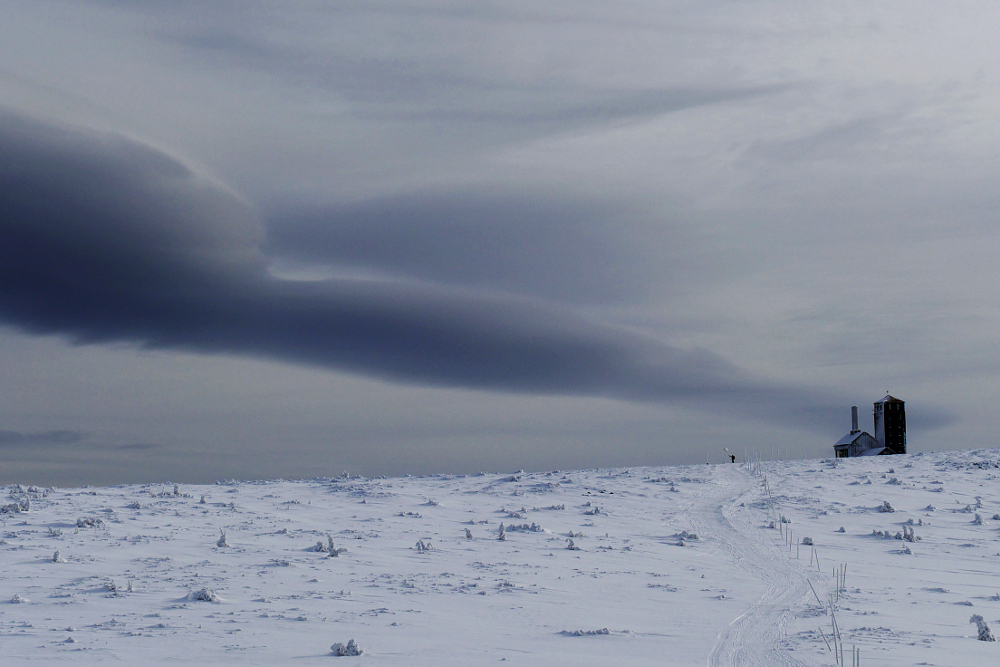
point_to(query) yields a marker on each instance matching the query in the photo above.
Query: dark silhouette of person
(733, 457)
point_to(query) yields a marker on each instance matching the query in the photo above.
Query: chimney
(854, 419)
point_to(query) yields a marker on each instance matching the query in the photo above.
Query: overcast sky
(289, 238)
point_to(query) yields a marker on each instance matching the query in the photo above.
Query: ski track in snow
(753, 638)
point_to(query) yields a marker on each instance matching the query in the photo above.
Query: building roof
(889, 399)
(850, 438)
(873, 452)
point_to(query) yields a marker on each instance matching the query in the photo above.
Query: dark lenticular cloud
(106, 239)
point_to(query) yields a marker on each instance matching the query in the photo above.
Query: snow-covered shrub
(351, 649)
(502, 533)
(57, 557)
(89, 522)
(54, 532)
(985, 634)
(571, 545)
(978, 521)
(10, 508)
(532, 528)
(221, 542)
(204, 595)
(585, 633)
(593, 512)
(807, 541)
(841, 530)
(424, 546)
(333, 551)
(468, 534)
(17, 599)
(886, 507)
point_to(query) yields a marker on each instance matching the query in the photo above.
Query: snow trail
(723, 516)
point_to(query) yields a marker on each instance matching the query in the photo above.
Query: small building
(858, 442)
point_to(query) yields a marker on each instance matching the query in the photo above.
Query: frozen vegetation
(783, 563)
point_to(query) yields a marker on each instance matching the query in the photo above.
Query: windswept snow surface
(671, 566)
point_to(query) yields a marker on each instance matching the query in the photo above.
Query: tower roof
(889, 399)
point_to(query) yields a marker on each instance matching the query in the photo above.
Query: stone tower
(890, 424)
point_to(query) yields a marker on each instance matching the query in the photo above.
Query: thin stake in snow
(815, 594)
(823, 635)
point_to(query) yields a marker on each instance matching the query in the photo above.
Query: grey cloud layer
(567, 249)
(106, 239)
(63, 437)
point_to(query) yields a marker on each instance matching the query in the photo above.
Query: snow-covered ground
(668, 566)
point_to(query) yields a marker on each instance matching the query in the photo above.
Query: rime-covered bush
(351, 649)
(204, 595)
(886, 507)
(985, 634)
(524, 527)
(10, 508)
(585, 633)
(221, 542)
(333, 550)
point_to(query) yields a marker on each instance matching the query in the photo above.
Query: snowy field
(657, 566)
